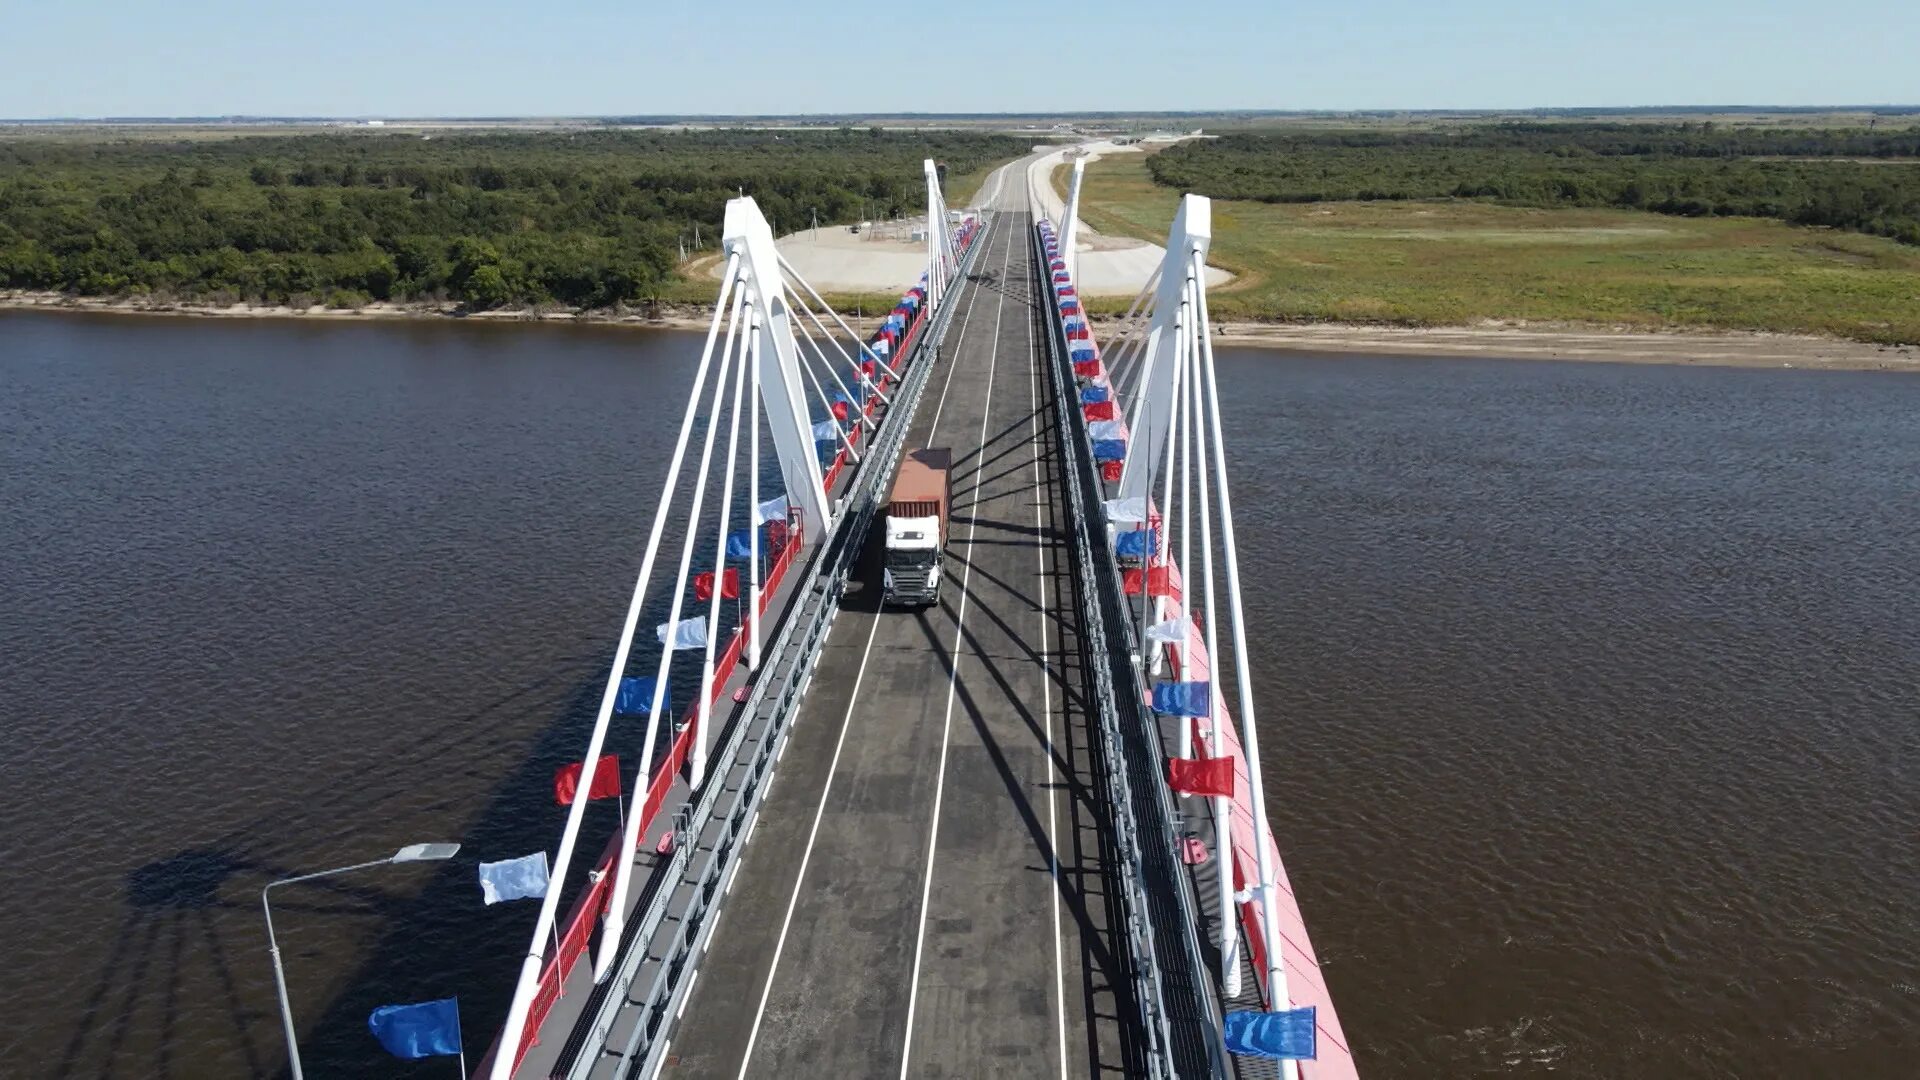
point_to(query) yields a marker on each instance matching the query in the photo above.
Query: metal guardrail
(736, 788)
(1179, 1012)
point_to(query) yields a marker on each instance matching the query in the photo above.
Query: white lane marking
(833, 767)
(953, 683)
(819, 811)
(985, 232)
(1046, 699)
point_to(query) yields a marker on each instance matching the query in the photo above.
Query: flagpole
(459, 1038)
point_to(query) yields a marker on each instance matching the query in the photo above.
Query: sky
(592, 58)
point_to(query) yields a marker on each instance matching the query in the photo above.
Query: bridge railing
(1179, 1014)
(587, 910)
(723, 813)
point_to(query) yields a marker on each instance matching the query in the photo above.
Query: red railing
(592, 904)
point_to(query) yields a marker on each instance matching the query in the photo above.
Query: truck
(916, 528)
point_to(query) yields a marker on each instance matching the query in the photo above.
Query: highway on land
(923, 893)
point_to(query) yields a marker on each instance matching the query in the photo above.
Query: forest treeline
(1861, 180)
(585, 219)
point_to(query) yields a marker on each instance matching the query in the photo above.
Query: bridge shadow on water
(445, 941)
(187, 991)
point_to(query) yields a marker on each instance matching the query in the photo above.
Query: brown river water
(1590, 693)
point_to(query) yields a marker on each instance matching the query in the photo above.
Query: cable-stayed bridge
(1018, 833)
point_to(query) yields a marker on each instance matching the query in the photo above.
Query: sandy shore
(1722, 348)
(660, 316)
(1707, 348)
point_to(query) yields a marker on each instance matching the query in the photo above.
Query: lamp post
(410, 853)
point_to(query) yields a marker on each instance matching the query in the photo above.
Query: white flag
(1171, 632)
(514, 879)
(1127, 510)
(824, 430)
(685, 634)
(1106, 429)
(772, 510)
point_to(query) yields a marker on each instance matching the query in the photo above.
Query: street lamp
(410, 853)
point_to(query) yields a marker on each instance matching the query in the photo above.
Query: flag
(429, 1029)
(1171, 632)
(774, 509)
(1182, 698)
(1102, 430)
(1092, 394)
(1159, 582)
(1129, 511)
(1201, 776)
(606, 780)
(729, 585)
(776, 535)
(739, 545)
(1098, 410)
(1087, 369)
(1110, 450)
(685, 634)
(636, 697)
(524, 878)
(1135, 543)
(826, 431)
(1289, 1033)
(1110, 471)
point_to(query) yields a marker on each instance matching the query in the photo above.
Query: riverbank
(1573, 342)
(664, 316)
(1465, 263)
(1499, 340)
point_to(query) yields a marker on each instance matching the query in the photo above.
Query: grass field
(1444, 263)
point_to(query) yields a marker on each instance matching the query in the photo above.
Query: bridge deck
(923, 893)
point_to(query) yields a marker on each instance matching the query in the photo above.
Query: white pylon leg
(781, 384)
(1192, 233)
(753, 497)
(1070, 219)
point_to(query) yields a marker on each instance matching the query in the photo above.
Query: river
(1588, 691)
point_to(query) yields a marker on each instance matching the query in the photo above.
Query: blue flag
(1091, 395)
(428, 1029)
(740, 544)
(636, 697)
(514, 879)
(1182, 698)
(1288, 1034)
(1110, 450)
(1136, 543)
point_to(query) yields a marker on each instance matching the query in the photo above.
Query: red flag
(606, 780)
(1201, 776)
(868, 367)
(776, 535)
(839, 410)
(1099, 410)
(1087, 368)
(729, 585)
(1159, 579)
(1110, 471)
